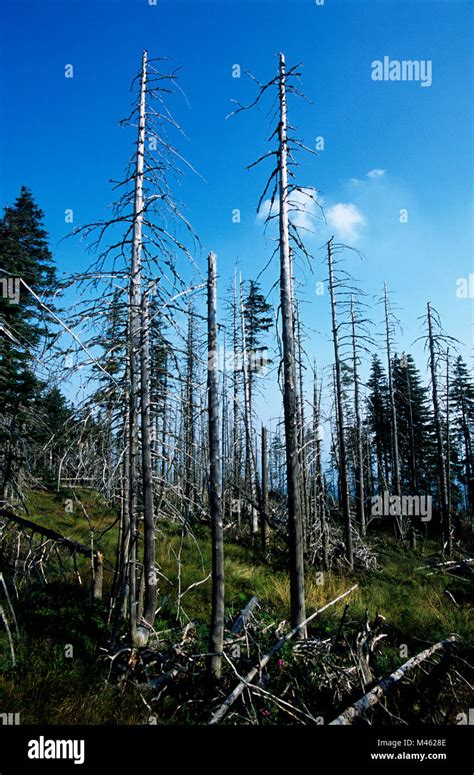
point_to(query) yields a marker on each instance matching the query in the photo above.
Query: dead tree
(441, 461)
(143, 251)
(235, 408)
(386, 684)
(298, 614)
(216, 638)
(319, 502)
(343, 477)
(281, 203)
(395, 472)
(149, 572)
(264, 487)
(250, 467)
(359, 466)
(135, 355)
(448, 438)
(189, 422)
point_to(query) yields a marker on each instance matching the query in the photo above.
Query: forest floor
(54, 684)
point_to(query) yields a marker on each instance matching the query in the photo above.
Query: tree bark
(264, 514)
(443, 490)
(297, 593)
(343, 480)
(380, 690)
(395, 473)
(135, 323)
(149, 573)
(360, 501)
(216, 639)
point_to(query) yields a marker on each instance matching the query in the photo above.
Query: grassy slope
(49, 687)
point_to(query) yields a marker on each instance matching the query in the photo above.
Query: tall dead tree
(359, 466)
(342, 465)
(264, 487)
(216, 636)
(250, 467)
(144, 246)
(441, 461)
(448, 437)
(135, 324)
(319, 502)
(298, 610)
(145, 626)
(189, 422)
(395, 472)
(280, 204)
(235, 411)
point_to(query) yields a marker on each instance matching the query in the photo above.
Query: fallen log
(453, 563)
(387, 683)
(229, 701)
(244, 616)
(73, 546)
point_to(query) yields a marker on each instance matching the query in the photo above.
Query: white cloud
(354, 181)
(302, 206)
(345, 219)
(376, 173)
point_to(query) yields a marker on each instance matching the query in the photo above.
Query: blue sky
(61, 136)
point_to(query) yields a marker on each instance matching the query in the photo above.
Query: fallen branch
(222, 710)
(386, 684)
(454, 563)
(73, 546)
(244, 616)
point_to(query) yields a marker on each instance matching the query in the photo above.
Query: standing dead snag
(134, 365)
(264, 494)
(281, 202)
(359, 467)
(250, 473)
(395, 472)
(343, 479)
(441, 462)
(149, 573)
(289, 375)
(216, 637)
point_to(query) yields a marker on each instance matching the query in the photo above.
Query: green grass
(47, 686)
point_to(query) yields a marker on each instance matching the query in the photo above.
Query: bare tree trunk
(395, 478)
(360, 500)
(235, 413)
(135, 322)
(249, 454)
(448, 440)
(343, 480)
(264, 515)
(216, 639)
(189, 429)
(302, 423)
(443, 490)
(468, 455)
(297, 594)
(413, 473)
(318, 480)
(149, 573)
